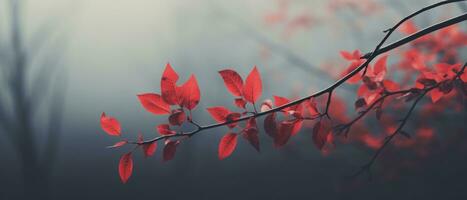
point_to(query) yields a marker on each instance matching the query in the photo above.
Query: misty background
(90, 56)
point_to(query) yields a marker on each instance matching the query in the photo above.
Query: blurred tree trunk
(19, 101)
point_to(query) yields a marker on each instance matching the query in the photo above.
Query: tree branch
(418, 34)
(387, 140)
(377, 51)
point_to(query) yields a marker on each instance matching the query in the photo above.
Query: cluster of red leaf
(430, 63)
(290, 23)
(285, 117)
(175, 100)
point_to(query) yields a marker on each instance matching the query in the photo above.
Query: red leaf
(168, 85)
(164, 129)
(380, 65)
(251, 134)
(232, 117)
(219, 113)
(232, 81)
(391, 85)
(284, 133)
(118, 144)
(270, 125)
(297, 125)
(149, 149)
(240, 102)
(436, 94)
(169, 150)
(320, 133)
(279, 101)
(177, 118)
(227, 145)
(253, 86)
(125, 167)
(464, 76)
(346, 55)
(110, 125)
(312, 109)
(153, 103)
(190, 94)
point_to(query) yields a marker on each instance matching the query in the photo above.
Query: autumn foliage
(430, 66)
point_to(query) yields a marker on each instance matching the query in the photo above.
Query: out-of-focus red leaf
(227, 145)
(168, 85)
(270, 125)
(190, 94)
(312, 108)
(219, 113)
(351, 56)
(125, 167)
(118, 144)
(169, 150)
(232, 81)
(250, 133)
(284, 133)
(253, 86)
(280, 101)
(232, 117)
(110, 125)
(408, 27)
(391, 85)
(380, 65)
(240, 102)
(346, 55)
(177, 118)
(266, 105)
(164, 129)
(320, 132)
(362, 90)
(357, 77)
(464, 77)
(149, 149)
(370, 98)
(297, 125)
(435, 95)
(154, 103)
